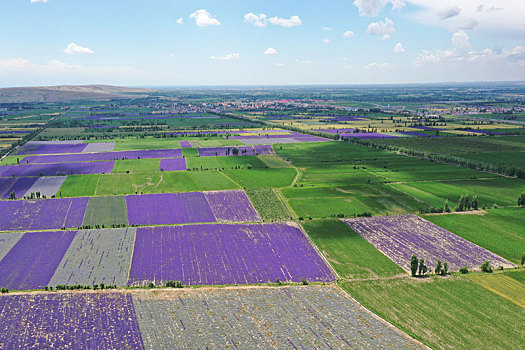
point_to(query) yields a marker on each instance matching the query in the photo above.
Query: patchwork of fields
(279, 230)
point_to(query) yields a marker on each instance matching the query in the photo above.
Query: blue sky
(171, 42)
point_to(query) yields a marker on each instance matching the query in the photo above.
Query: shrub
(523, 259)
(304, 281)
(463, 270)
(485, 267)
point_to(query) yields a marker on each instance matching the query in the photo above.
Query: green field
(323, 202)
(136, 166)
(158, 182)
(213, 163)
(262, 178)
(500, 230)
(349, 253)
(266, 201)
(106, 211)
(444, 313)
(504, 286)
(146, 143)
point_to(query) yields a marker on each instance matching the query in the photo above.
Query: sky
(248, 42)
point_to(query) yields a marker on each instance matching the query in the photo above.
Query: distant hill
(67, 93)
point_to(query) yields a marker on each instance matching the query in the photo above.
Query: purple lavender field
(398, 237)
(32, 261)
(69, 321)
(185, 144)
(231, 206)
(102, 156)
(58, 169)
(42, 214)
(368, 135)
(19, 185)
(168, 209)
(32, 147)
(225, 254)
(173, 164)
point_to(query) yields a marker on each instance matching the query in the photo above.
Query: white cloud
(346, 67)
(279, 64)
(382, 28)
(74, 49)
(326, 29)
(348, 34)
(303, 61)
(494, 17)
(259, 20)
(180, 20)
(172, 56)
(270, 51)
(34, 1)
(228, 57)
(462, 52)
(460, 40)
(286, 22)
(203, 18)
(371, 8)
(449, 12)
(378, 65)
(326, 41)
(399, 49)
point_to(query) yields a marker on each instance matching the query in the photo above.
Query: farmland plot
(99, 147)
(19, 186)
(103, 156)
(46, 186)
(312, 317)
(173, 164)
(225, 254)
(68, 320)
(53, 147)
(7, 241)
(42, 214)
(58, 169)
(106, 211)
(231, 206)
(268, 204)
(398, 237)
(31, 262)
(168, 208)
(504, 286)
(97, 256)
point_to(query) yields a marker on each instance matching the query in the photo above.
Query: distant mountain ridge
(67, 93)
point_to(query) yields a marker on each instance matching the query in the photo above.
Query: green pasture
(106, 211)
(212, 163)
(262, 178)
(136, 165)
(444, 313)
(158, 182)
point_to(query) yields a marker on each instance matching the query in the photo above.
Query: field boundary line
(281, 197)
(229, 178)
(312, 243)
(382, 320)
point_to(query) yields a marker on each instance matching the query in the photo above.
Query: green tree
(421, 266)
(485, 267)
(521, 200)
(437, 270)
(475, 202)
(413, 264)
(445, 268)
(447, 207)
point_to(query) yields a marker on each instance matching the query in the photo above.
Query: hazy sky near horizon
(246, 42)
